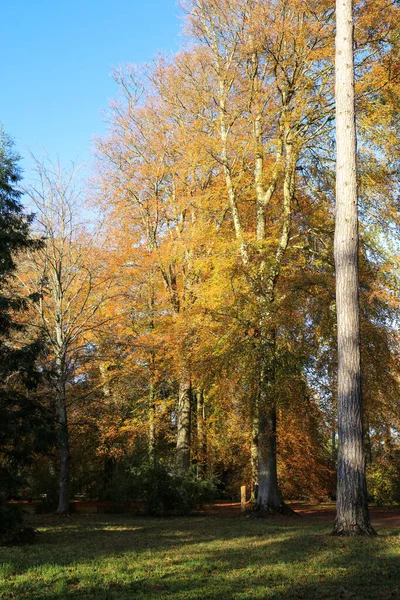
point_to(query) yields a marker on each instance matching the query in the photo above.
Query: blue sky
(57, 57)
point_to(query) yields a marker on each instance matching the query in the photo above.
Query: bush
(162, 489)
(382, 479)
(42, 481)
(12, 530)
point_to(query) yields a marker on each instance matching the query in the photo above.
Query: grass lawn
(102, 557)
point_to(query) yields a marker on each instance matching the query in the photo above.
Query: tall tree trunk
(152, 405)
(184, 424)
(352, 516)
(152, 424)
(63, 444)
(269, 497)
(201, 433)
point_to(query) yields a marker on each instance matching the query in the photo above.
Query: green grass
(120, 558)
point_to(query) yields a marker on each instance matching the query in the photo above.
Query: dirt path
(388, 517)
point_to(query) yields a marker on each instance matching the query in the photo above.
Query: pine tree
(22, 419)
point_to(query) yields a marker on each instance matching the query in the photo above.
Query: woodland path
(388, 517)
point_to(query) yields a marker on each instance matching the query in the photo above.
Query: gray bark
(152, 425)
(269, 498)
(183, 424)
(352, 516)
(152, 405)
(201, 433)
(63, 441)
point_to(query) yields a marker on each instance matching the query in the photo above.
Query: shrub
(11, 527)
(163, 490)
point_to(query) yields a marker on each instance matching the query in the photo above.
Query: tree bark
(352, 516)
(183, 424)
(269, 498)
(201, 433)
(152, 424)
(63, 445)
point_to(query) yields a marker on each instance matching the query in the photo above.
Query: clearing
(121, 557)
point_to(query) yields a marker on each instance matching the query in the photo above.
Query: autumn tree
(219, 168)
(150, 181)
(249, 148)
(68, 275)
(269, 108)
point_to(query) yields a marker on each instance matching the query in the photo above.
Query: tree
(218, 178)
(150, 180)
(24, 428)
(352, 516)
(272, 93)
(68, 272)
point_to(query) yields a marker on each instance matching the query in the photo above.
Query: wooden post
(243, 498)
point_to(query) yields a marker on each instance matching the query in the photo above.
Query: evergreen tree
(22, 418)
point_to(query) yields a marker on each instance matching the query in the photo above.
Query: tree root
(353, 530)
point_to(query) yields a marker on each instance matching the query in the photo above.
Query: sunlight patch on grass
(202, 558)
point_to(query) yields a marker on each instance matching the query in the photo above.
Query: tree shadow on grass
(207, 558)
(68, 542)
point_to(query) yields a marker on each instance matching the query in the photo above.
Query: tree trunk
(269, 498)
(201, 434)
(352, 516)
(183, 425)
(152, 424)
(63, 440)
(106, 384)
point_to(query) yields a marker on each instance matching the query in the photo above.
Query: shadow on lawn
(208, 559)
(66, 542)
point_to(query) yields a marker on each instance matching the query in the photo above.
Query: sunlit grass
(121, 558)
